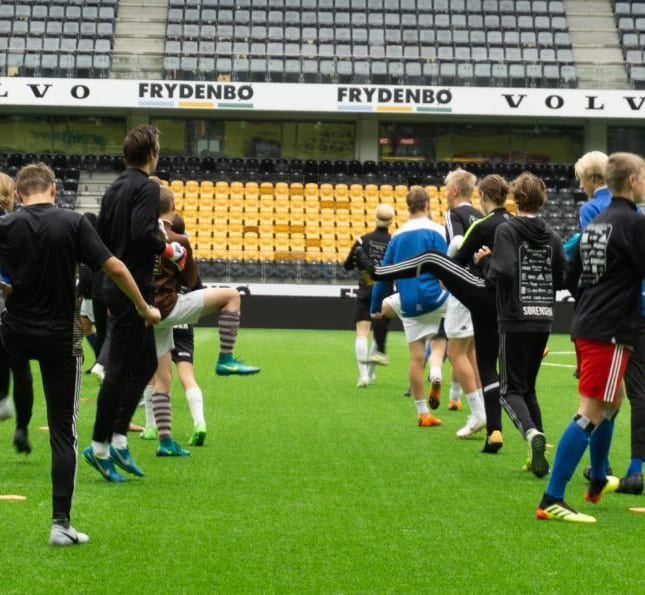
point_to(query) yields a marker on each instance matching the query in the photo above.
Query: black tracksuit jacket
(608, 270)
(528, 265)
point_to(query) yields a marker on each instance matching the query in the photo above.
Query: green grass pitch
(309, 484)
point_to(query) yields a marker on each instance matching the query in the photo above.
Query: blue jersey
(596, 204)
(421, 294)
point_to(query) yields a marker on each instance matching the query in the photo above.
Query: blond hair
(463, 180)
(6, 192)
(166, 200)
(619, 167)
(384, 214)
(591, 167)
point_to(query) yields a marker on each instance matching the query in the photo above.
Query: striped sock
(163, 413)
(228, 323)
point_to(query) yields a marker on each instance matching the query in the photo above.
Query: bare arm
(122, 278)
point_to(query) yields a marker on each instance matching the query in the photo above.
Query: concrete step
(134, 45)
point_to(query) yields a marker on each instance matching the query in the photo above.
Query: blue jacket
(422, 294)
(598, 203)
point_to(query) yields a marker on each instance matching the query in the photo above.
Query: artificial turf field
(309, 484)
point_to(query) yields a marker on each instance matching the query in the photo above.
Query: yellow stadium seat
(219, 247)
(298, 248)
(386, 193)
(371, 191)
(206, 187)
(341, 192)
(356, 190)
(400, 191)
(342, 218)
(326, 192)
(251, 190)
(311, 189)
(236, 190)
(222, 189)
(266, 188)
(281, 188)
(191, 186)
(177, 186)
(165, 183)
(296, 189)
(327, 217)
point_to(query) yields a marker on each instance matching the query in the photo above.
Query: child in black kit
(528, 265)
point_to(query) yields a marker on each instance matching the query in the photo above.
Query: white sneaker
(379, 359)
(371, 379)
(362, 382)
(6, 409)
(98, 371)
(61, 535)
(473, 425)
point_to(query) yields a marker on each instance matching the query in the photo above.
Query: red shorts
(601, 366)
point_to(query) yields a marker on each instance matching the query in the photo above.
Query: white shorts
(187, 310)
(458, 324)
(417, 327)
(87, 309)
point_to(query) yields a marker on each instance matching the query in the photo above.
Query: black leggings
(635, 388)
(479, 298)
(23, 390)
(520, 356)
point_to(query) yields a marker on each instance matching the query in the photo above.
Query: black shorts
(362, 308)
(184, 340)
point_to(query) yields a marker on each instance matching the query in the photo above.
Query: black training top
(528, 265)
(128, 224)
(612, 254)
(480, 233)
(366, 254)
(459, 219)
(40, 249)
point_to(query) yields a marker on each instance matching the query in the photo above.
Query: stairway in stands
(596, 45)
(139, 39)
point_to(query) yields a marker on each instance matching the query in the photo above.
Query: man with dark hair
(40, 249)
(128, 225)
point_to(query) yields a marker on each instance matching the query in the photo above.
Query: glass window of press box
(62, 134)
(630, 139)
(257, 139)
(469, 143)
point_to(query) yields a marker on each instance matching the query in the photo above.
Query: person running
(471, 288)
(128, 225)
(420, 302)
(40, 249)
(367, 253)
(177, 308)
(605, 328)
(527, 266)
(461, 214)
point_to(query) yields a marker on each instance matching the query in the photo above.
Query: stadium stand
(57, 39)
(630, 21)
(463, 42)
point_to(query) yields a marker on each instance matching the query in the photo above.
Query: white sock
(422, 406)
(119, 441)
(530, 433)
(476, 406)
(455, 391)
(147, 402)
(100, 450)
(435, 373)
(196, 404)
(371, 367)
(361, 355)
